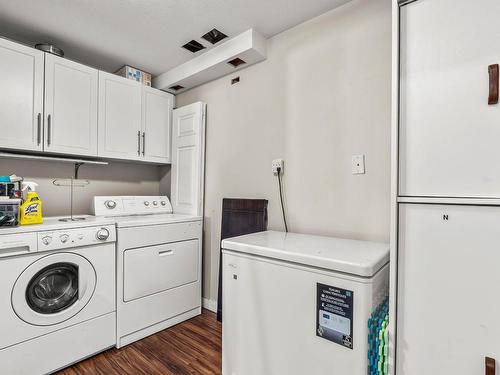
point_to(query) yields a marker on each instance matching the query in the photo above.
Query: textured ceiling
(145, 33)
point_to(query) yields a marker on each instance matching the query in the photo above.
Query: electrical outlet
(277, 163)
(358, 164)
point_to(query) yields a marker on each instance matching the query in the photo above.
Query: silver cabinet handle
(165, 253)
(139, 143)
(143, 143)
(49, 130)
(39, 129)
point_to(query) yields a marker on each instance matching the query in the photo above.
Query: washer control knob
(146, 203)
(155, 203)
(64, 238)
(163, 203)
(102, 234)
(110, 204)
(46, 240)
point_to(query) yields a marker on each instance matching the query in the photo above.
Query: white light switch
(358, 164)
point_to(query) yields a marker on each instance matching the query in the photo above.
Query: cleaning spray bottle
(30, 211)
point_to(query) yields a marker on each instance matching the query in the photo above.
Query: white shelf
(8, 155)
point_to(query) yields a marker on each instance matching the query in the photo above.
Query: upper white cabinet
(21, 97)
(449, 134)
(156, 124)
(70, 107)
(135, 121)
(120, 117)
(55, 105)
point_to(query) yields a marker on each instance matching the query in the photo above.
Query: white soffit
(249, 46)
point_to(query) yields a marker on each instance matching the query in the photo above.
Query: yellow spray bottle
(30, 211)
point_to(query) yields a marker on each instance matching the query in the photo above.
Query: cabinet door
(21, 97)
(449, 135)
(188, 159)
(119, 117)
(70, 107)
(156, 124)
(448, 282)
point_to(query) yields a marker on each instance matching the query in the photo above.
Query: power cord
(281, 198)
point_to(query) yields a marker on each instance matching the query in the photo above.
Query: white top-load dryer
(158, 264)
(298, 304)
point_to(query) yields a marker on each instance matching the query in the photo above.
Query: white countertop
(54, 223)
(362, 258)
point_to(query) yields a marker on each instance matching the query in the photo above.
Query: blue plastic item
(377, 340)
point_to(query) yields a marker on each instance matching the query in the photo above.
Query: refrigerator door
(449, 134)
(448, 289)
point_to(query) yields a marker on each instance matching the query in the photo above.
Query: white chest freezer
(297, 304)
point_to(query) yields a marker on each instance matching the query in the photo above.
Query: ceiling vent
(214, 36)
(193, 46)
(236, 62)
(176, 87)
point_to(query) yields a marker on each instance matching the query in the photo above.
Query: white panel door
(119, 117)
(449, 135)
(21, 97)
(188, 159)
(156, 124)
(70, 107)
(448, 289)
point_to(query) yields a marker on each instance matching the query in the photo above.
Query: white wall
(113, 179)
(322, 95)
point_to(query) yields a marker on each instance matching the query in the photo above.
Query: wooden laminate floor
(192, 347)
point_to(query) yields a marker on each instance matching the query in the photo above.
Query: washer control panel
(131, 205)
(63, 239)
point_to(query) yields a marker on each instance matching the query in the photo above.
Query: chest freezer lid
(360, 258)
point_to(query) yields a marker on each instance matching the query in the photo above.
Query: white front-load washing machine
(57, 295)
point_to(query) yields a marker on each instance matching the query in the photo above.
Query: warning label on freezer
(334, 311)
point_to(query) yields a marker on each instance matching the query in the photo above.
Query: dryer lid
(361, 258)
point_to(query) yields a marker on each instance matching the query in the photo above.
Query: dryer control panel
(62, 239)
(131, 205)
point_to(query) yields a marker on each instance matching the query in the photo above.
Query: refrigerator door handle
(493, 85)
(490, 366)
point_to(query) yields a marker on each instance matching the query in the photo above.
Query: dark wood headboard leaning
(239, 217)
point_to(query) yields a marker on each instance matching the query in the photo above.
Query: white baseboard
(210, 304)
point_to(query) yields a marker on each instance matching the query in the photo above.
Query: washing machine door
(53, 289)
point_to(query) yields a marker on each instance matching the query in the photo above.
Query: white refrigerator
(448, 188)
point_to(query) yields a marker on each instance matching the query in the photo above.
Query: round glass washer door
(53, 289)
